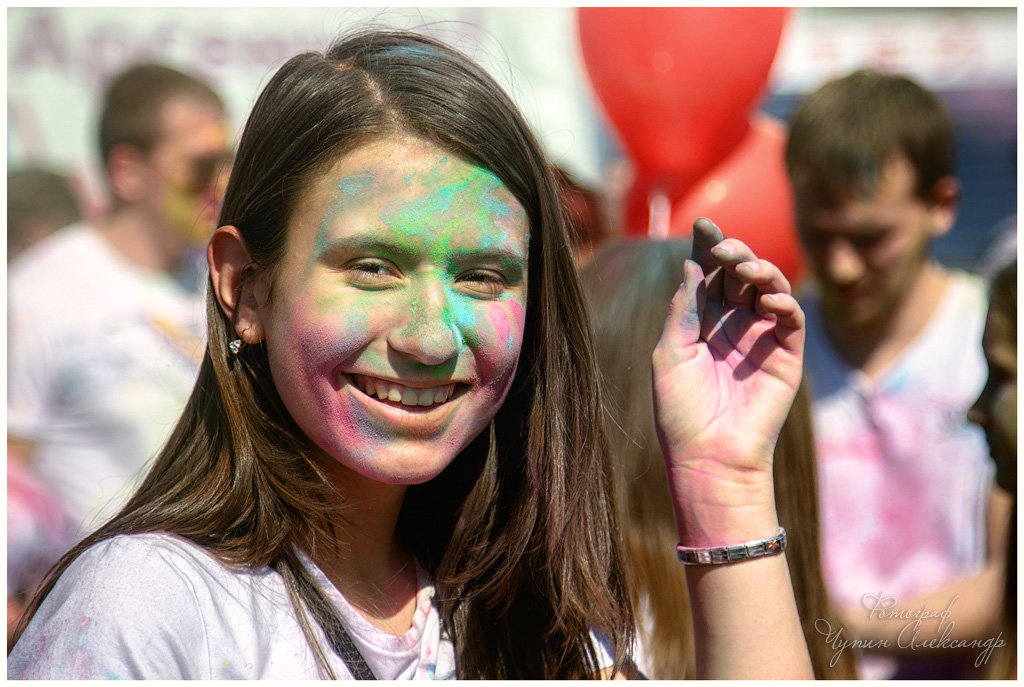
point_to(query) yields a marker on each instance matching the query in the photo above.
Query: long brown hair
(519, 532)
(630, 284)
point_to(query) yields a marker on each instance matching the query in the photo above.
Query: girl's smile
(408, 396)
(396, 317)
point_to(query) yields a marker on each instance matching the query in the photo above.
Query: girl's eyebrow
(496, 254)
(370, 242)
(508, 260)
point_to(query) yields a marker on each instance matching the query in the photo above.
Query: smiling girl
(392, 464)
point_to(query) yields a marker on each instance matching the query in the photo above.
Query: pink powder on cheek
(304, 357)
(322, 332)
(499, 340)
(313, 345)
(507, 319)
(499, 318)
(518, 312)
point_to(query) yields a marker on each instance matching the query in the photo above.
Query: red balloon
(678, 83)
(749, 196)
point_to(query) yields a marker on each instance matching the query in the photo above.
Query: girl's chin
(388, 465)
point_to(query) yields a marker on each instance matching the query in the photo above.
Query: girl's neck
(372, 569)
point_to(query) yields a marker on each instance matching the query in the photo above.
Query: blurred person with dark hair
(39, 201)
(629, 285)
(893, 353)
(105, 319)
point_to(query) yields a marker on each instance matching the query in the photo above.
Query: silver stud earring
(236, 345)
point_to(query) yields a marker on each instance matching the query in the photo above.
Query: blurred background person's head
(870, 157)
(584, 215)
(164, 144)
(39, 201)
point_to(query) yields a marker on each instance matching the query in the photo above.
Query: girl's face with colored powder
(397, 314)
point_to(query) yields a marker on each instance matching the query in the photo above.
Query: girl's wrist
(727, 529)
(719, 509)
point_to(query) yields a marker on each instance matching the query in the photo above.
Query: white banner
(59, 59)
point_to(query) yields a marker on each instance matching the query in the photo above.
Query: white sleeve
(125, 609)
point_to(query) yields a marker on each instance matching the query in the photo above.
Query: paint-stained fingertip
(705, 227)
(704, 223)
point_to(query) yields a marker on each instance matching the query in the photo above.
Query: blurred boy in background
(104, 320)
(893, 353)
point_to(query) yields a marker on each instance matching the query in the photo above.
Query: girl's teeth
(403, 394)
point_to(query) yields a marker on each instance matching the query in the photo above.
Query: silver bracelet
(715, 555)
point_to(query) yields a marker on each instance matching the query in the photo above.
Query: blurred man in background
(893, 353)
(105, 320)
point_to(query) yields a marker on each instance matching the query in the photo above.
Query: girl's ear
(235, 285)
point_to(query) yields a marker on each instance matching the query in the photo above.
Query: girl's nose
(427, 333)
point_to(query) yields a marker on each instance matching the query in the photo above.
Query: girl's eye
(372, 272)
(483, 283)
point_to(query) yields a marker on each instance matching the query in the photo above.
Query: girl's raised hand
(725, 373)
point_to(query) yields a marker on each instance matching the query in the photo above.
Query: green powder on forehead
(477, 195)
(479, 189)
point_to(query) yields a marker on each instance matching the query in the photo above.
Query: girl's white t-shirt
(155, 606)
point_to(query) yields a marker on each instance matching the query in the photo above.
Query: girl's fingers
(789, 319)
(735, 289)
(705, 236)
(741, 266)
(764, 275)
(746, 273)
(682, 327)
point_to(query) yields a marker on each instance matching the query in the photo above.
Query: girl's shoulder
(166, 571)
(134, 563)
(150, 606)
